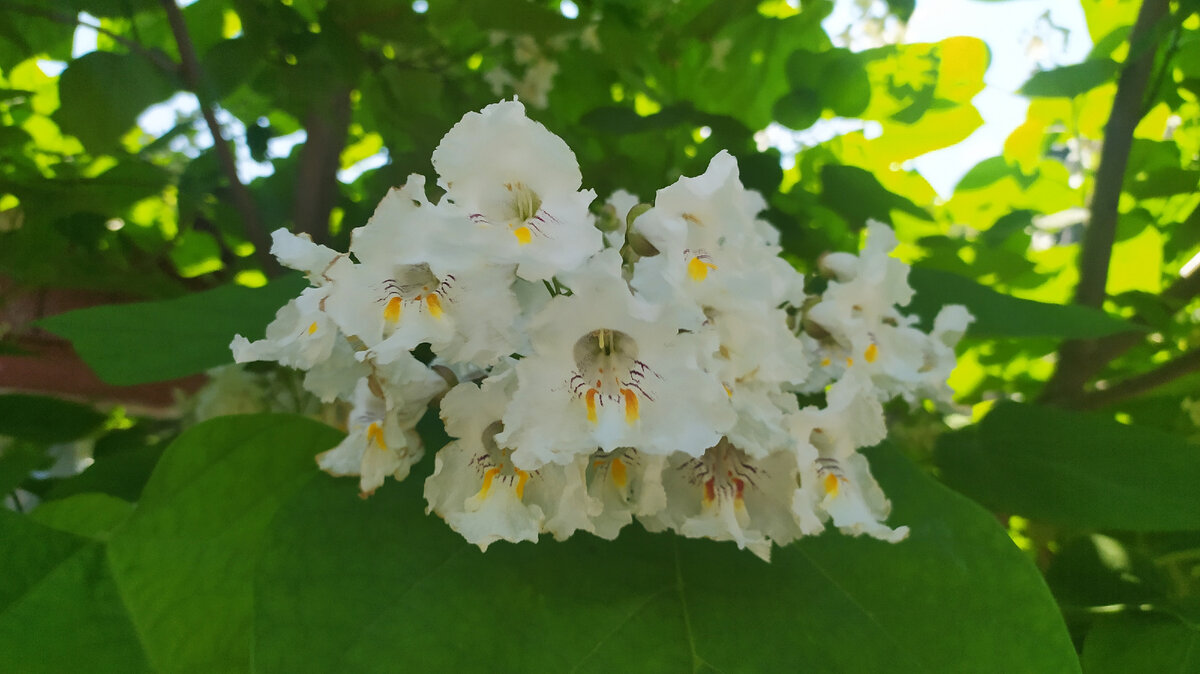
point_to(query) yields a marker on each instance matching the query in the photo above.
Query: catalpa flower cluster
(641, 363)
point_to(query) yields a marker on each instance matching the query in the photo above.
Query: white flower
(336, 377)
(844, 491)
(299, 252)
(421, 278)
(377, 445)
(755, 343)
(625, 483)
(480, 493)
(763, 414)
(381, 439)
(301, 336)
(835, 481)
(859, 326)
(726, 495)
(608, 371)
(712, 248)
(519, 184)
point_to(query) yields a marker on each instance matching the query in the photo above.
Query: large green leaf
(153, 341)
(184, 560)
(104, 92)
(351, 585)
(1076, 469)
(1000, 315)
(1130, 643)
(59, 608)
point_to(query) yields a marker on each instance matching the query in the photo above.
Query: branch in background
(1135, 386)
(159, 59)
(1175, 297)
(316, 179)
(256, 232)
(1076, 358)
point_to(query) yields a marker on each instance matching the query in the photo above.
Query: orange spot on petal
(523, 235)
(631, 405)
(618, 472)
(590, 398)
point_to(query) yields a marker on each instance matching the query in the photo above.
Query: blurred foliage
(98, 194)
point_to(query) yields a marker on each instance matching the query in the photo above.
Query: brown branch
(1077, 357)
(243, 201)
(159, 59)
(1137, 385)
(316, 192)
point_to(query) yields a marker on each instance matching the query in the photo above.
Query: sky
(1009, 27)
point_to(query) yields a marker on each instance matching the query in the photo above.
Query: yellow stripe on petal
(523, 235)
(698, 269)
(435, 305)
(871, 353)
(522, 478)
(391, 312)
(375, 436)
(312, 328)
(487, 483)
(831, 484)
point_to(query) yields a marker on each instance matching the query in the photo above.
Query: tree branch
(1175, 297)
(159, 59)
(1137, 385)
(316, 178)
(243, 201)
(1076, 355)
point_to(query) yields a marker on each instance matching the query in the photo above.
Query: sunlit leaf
(1000, 315)
(1137, 263)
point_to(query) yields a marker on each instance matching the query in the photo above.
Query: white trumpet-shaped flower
(607, 370)
(411, 286)
(858, 325)
(712, 248)
(726, 495)
(835, 481)
(519, 184)
(478, 490)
